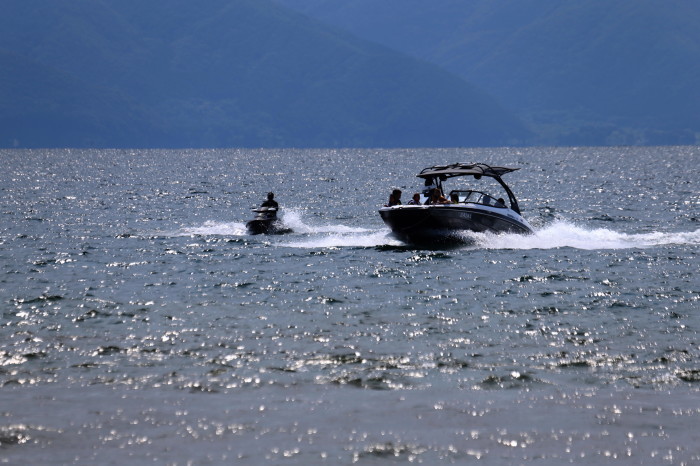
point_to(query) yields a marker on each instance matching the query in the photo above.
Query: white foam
(212, 228)
(304, 234)
(561, 234)
(366, 239)
(331, 235)
(293, 219)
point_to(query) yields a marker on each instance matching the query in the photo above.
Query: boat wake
(559, 234)
(304, 234)
(333, 235)
(211, 228)
(293, 219)
(563, 234)
(360, 239)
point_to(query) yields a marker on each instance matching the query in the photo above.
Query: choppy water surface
(141, 323)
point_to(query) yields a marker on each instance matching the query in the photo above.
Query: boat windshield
(475, 197)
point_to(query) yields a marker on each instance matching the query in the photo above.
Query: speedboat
(466, 210)
(266, 222)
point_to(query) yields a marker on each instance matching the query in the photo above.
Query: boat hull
(448, 223)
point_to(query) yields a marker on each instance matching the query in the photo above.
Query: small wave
(563, 234)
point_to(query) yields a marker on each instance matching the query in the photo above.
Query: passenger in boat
(454, 198)
(500, 202)
(270, 202)
(429, 186)
(415, 200)
(394, 198)
(436, 197)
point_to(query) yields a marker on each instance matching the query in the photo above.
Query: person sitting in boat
(430, 184)
(436, 197)
(454, 198)
(415, 200)
(394, 198)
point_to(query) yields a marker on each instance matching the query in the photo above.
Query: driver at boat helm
(430, 184)
(270, 202)
(436, 197)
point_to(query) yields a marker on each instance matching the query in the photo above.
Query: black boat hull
(449, 223)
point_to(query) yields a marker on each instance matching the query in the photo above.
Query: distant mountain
(44, 107)
(581, 71)
(222, 73)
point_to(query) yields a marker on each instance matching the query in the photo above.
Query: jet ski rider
(270, 205)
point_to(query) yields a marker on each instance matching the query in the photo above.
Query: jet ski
(266, 222)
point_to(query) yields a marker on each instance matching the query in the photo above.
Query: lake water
(141, 324)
